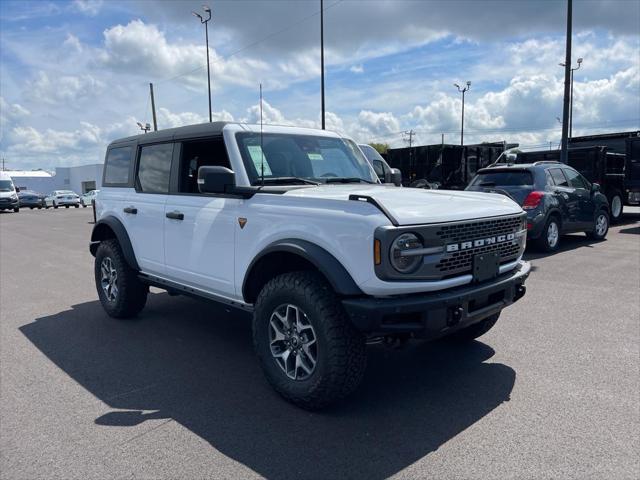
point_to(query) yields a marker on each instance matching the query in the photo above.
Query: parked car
(62, 198)
(86, 200)
(385, 173)
(30, 199)
(8, 193)
(556, 197)
(292, 225)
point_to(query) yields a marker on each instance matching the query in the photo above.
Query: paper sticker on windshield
(314, 156)
(256, 156)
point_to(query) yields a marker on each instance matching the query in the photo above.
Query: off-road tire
(132, 293)
(594, 234)
(476, 330)
(341, 349)
(543, 241)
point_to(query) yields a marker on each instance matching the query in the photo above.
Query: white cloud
(357, 69)
(73, 43)
(88, 7)
(68, 89)
(167, 119)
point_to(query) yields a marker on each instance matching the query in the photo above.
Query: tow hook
(455, 315)
(520, 291)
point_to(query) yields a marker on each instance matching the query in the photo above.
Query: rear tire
(121, 293)
(476, 330)
(600, 227)
(616, 207)
(549, 240)
(309, 351)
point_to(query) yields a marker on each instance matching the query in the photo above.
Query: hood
(411, 206)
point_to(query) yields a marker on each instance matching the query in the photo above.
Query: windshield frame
(361, 167)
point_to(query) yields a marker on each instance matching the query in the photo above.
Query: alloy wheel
(601, 225)
(553, 234)
(292, 341)
(616, 206)
(109, 279)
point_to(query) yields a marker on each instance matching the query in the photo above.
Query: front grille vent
(485, 228)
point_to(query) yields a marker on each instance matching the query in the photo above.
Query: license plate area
(486, 266)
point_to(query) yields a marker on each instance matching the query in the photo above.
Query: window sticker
(257, 157)
(315, 156)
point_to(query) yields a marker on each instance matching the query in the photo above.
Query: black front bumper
(436, 314)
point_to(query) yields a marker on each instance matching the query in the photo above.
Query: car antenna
(261, 151)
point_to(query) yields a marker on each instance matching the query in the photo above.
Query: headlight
(400, 253)
(14, 197)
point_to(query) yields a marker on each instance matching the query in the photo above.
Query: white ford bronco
(293, 225)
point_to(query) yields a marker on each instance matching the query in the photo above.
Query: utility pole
(153, 108)
(442, 139)
(567, 88)
(462, 91)
(322, 62)
(3, 164)
(206, 33)
(410, 133)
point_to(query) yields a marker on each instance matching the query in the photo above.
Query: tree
(380, 147)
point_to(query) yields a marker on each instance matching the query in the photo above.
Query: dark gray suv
(556, 197)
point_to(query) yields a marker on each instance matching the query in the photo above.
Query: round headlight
(400, 253)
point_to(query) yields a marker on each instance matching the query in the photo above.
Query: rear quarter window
(117, 167)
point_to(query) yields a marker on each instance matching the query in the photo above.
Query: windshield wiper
(285, 181)
(346, 180)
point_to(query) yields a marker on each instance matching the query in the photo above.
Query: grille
(484, 228)
(462, 261)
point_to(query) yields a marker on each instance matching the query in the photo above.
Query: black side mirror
(396, 177)
(216, 180)
(17, 189)
(595, 187)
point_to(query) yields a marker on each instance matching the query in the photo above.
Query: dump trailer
(443, 166)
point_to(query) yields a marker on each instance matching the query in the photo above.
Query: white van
(8, 193)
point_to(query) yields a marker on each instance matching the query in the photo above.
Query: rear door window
(117, 166)
(503, 179)
(154, 168)
(558, 177)
(575, 179)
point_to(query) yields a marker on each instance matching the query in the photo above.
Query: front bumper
(9, 203)
(437, 314)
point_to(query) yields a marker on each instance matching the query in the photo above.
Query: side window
(575, 179)
(549, 179)
(558, 177)
(196, 154)
(154, 168)
(377, 167)
(116, 168)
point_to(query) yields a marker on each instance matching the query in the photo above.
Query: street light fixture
(145, 128)
(462, 91)
(580, 60)
(206, 33)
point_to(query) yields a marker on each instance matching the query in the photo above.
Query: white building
(80, 179)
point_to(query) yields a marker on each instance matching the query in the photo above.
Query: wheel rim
(616, 206)
(109, 279)
(552, 234)
(292, 341)
(601, 225)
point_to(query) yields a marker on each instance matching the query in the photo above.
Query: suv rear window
(512, 178)
(116, 168)
(155, 168)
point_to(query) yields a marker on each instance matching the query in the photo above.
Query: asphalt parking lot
(551, 392)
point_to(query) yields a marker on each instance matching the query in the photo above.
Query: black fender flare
(337, 276)
(112, 223)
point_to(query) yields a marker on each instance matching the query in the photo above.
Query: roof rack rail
(542, 162)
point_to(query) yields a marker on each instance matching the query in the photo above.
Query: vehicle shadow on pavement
(567, 243)
(193, 362)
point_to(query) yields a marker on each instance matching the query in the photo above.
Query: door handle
(175, 215)
(131, 210)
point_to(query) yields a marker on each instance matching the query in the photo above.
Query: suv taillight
(532, 201)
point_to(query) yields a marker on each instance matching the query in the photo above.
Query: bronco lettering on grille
(454, 247)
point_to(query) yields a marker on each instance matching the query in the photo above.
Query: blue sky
(74, 75)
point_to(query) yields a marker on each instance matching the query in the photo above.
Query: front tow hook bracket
(455, 315)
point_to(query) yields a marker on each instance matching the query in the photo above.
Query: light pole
(462, 91)
(206, 33)
(571, 96)
(145, 128)
(322, 62)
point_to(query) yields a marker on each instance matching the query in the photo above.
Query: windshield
(6, 186)
(503, 179)
(307, 157)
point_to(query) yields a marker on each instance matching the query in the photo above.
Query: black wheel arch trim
(121, 235)
(325, 262)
